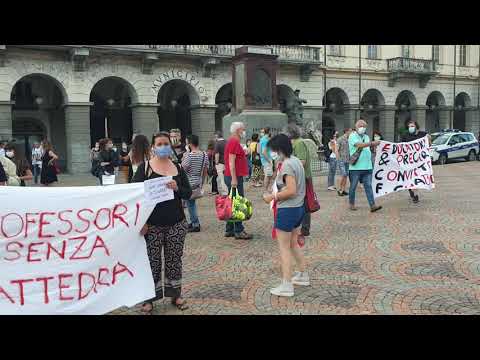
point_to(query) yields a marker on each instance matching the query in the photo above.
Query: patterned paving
(405, 259)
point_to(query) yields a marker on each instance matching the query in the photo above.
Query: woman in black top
(23, 167)
(107, 159)
(49, 171)
(166, 227)
(412, 134)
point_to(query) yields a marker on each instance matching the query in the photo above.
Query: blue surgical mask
(163, 151)
(274, 155)
(361, 130)
(412, 129)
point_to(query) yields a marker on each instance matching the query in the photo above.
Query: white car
(454, 145)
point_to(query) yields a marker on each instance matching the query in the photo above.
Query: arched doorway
(371, 102)
(111, 114)
(176, 98)
(333, 117)
(462, 101)
(38, 114)
(432, 114)
(223, 100)
(405, 104)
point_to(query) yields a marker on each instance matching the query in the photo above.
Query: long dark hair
(140, 149)
(102, 144)
(167, 135)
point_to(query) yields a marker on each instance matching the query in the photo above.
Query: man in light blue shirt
(267, 162)
(362, 169)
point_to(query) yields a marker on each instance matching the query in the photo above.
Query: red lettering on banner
(45, 287)
(28, 221)
(70, 225)
(4, 234)
(119, 216)
(60, 254)
(101, 243)
(386, 147)
(15, 251)
(61, 287)
(2, 291)
(20, 283)
(116, 271)
(137, 205)
(33, 251)
(41, 224)
(84, 220)
(96, 218)
(99, 279)
(79, 248)
(399, 159)
(417, 146)
(80, 287)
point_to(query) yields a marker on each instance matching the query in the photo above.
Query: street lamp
(39, 100)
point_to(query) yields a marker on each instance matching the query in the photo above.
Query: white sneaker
(301, 279)
(332, 188)
(284, 289)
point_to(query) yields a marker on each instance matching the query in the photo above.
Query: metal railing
(401, 64)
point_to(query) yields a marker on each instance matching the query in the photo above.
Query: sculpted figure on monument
(295, 109)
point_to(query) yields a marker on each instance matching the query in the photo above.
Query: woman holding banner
(413, 134)
(166, 227)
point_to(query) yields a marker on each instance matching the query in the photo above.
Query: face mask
(377, 138)
(412, 129)
(361, 130)
(274, 155)
(163, 151)
(114, 149)
(97, 147)
(9, 154)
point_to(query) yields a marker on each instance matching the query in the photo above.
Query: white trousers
(222, 188)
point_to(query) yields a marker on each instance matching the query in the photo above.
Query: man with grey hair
(300, 150)
(236, 167)
(361, 169)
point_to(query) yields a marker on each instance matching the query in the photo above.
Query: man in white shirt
(36, 161)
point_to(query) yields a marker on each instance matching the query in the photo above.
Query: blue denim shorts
(343, 166)
(289, 218)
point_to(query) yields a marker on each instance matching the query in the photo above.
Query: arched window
(463, 55)
(372, 52)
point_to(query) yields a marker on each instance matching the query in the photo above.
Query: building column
(421, 112)
(444, 114)
(77, 135)
(6, 120)
(387, 122)
(203, 123)
(351, 114)
(145, 119)
(472, 120)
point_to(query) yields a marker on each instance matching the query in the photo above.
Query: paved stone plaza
(405, 259)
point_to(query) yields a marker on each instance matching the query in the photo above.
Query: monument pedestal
(255, 120)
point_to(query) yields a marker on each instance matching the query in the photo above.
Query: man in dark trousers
(414, 134)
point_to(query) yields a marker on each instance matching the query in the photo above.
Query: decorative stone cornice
(7, 103)
(306, 70)
(208, 65)
(70, 104)
(135, 105)
(147, 63)
(79, 58)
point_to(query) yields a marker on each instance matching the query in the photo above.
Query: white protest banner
(73, 250)
(156, 190)
(402, 166)
(108, 179)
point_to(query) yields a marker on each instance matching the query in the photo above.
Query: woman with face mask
(106, 158)
(166, 227)
(24, 172)
(377, 136)
(290, 181)
(413, 134)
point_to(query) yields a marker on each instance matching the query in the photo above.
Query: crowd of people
(281, 164)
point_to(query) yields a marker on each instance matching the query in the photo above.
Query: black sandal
(182, 306)
(147, 312)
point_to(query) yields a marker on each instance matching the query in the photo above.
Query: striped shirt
(192, 164)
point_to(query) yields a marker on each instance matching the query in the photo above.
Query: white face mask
(274, 155)
(377, 138)
(361, 130)
(9, 154)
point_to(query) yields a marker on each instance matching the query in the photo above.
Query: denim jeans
(236, 227)
(332, 169)
(192, 210)
(37, 170)
(364, 176)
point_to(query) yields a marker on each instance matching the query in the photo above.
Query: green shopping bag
(242, 208)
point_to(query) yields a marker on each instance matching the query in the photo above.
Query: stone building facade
(76, 94)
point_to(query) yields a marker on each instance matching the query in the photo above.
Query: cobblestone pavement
(405, 259)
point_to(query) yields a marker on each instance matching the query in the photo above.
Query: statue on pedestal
(294, 109)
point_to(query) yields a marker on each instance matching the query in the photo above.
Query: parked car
(453, 145)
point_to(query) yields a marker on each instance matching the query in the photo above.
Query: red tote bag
(311, 200)
(223, 207)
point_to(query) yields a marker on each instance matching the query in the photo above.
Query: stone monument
(255, 103)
